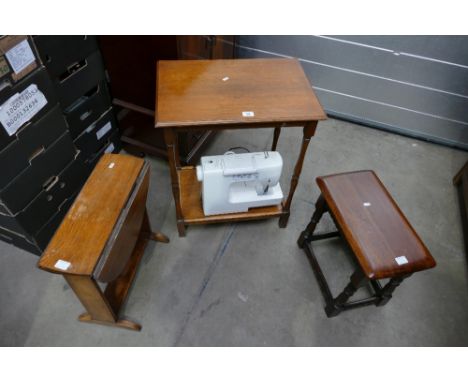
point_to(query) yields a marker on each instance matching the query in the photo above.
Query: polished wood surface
(192, 209)
(217, 92)
(211, 95)
(126, 232)
(103, 238)
(373, 225)
(85, 231)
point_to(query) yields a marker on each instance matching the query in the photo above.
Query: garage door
(414, 85)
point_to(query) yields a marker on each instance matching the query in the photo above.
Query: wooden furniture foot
(121, 323)
(158, 236)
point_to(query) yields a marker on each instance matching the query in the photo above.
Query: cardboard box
(87, 108)
(95, 136)
(36, 244)
(58, 53)
(32, 141)
(18, 58)
(27, 101)
(15, 196)
(79, 79)
(36, 214)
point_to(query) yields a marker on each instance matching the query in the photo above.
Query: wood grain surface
(126, 232)
(217, 92)
(192, 208)
(84, 232)
(373, 225)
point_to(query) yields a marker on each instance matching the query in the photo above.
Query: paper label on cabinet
(248, 114)
(109, 148)
(20, 108)
(62, 264)
(401, 260)
(103, 130)
(20, 56)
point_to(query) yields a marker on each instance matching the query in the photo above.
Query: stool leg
(386, 293)
(320, 208)
(358, 279)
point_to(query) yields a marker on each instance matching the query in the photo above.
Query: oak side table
(231, 94)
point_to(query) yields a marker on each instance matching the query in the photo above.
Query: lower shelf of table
(192, 210)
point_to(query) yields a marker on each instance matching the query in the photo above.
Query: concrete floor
(248, 284)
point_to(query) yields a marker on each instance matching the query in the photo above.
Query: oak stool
(382, 240)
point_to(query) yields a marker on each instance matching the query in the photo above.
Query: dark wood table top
(83, 234)
(219, 93)
(374, 226)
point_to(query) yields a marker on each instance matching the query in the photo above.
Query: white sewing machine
(236, 182)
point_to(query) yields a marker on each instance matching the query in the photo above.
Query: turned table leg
(170, 137)
(358, 279)
(276, 135)
(308, 132)
(320, 209)
(386, 293)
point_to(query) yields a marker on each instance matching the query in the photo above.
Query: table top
(233, 92)
(383, 240)
(80, 240)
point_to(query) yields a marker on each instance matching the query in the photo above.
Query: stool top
(80, 240)
(384, 242)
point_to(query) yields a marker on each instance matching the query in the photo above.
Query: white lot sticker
(103, 130)
(401, 260)
(109, 148)
(111, 165)
(62, 264)
(248, 114)
(20, 56)
(20, 108)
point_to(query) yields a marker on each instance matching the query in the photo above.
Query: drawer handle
(85, 115)
(36, 153)
(49, 183)
(72, 69)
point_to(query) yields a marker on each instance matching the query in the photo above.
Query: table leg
(320, 208)
(358, 279)
(98, 309)
(170, 136)
(147, 231)
(308, 132)
(276, 135)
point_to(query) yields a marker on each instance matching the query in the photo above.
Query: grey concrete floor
(248, 284)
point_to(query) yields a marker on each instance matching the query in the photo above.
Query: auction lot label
(20, 108)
